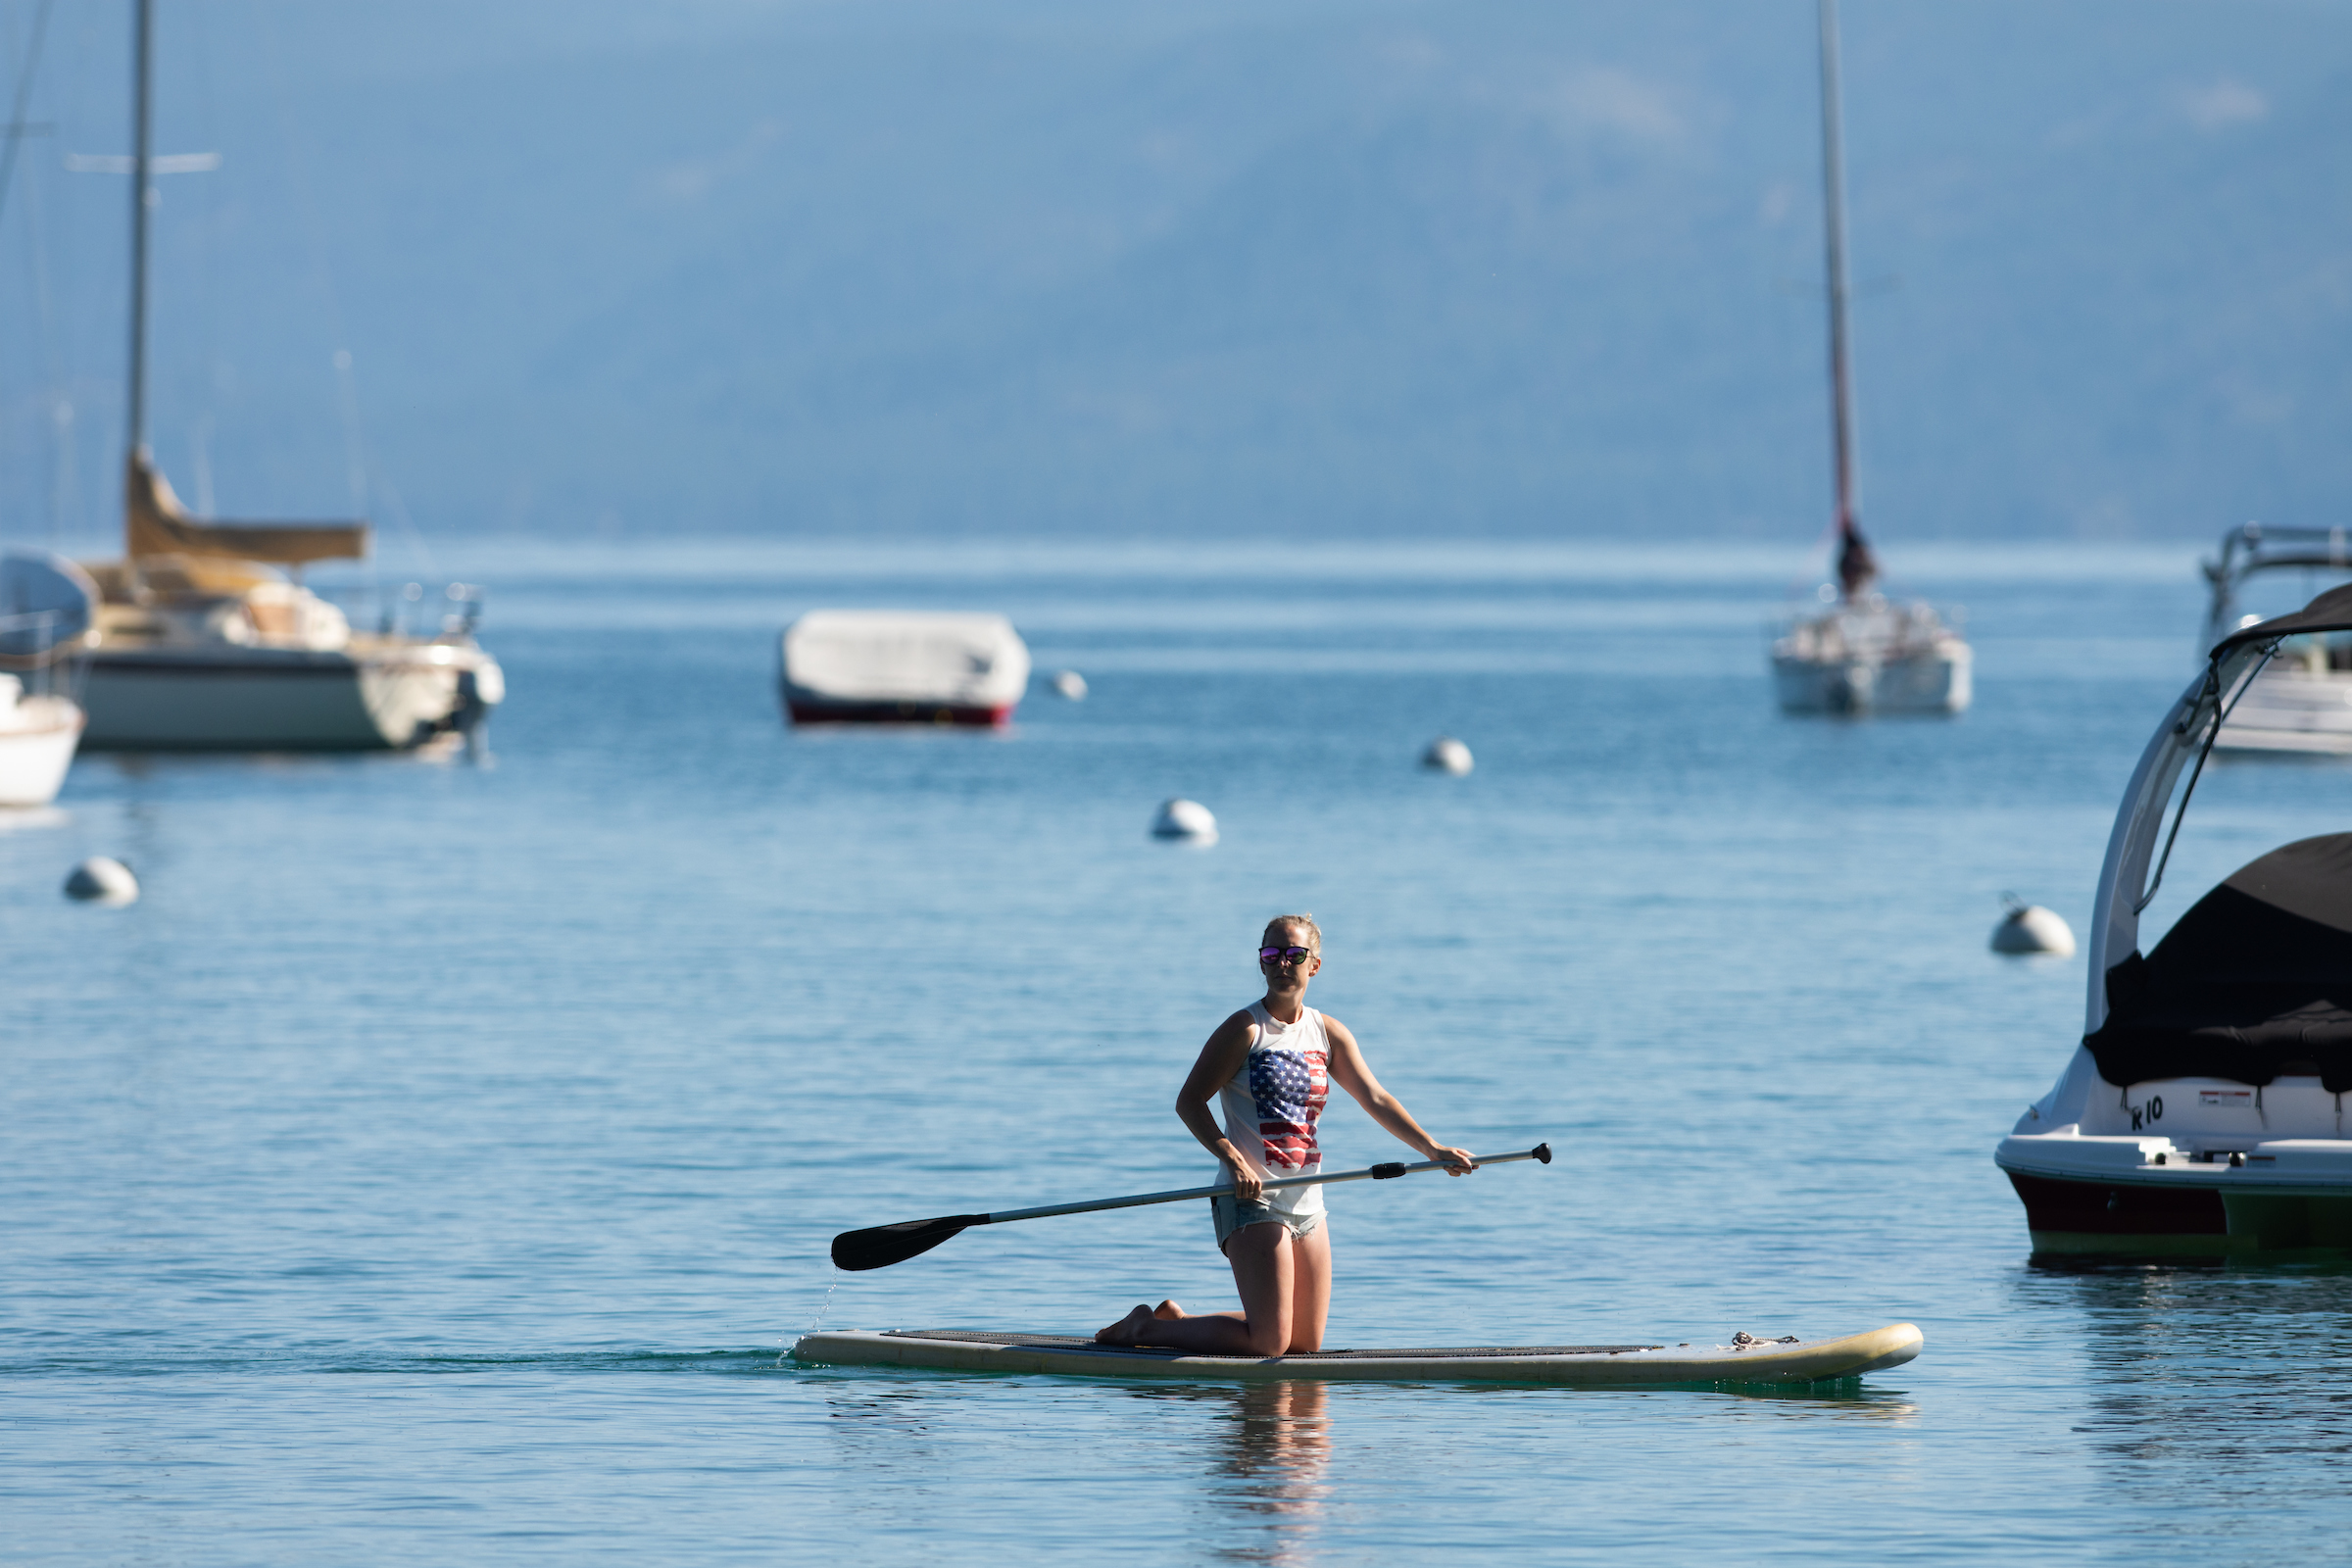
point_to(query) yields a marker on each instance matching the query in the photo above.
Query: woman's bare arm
(1350, 1072)
(1220, 1058)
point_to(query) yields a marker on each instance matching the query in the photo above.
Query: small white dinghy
(1745, 1360)
(902, 666)
(45, 607)
(38, 737)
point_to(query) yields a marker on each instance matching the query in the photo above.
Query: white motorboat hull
(37, 738)
(2292, 707)
(1938, 680)
(869, 667)
(2184, 1195)
(285, 699)
(2181, 1167)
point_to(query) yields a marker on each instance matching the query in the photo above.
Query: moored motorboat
(1747, 1359)
(1863, 653)
(2203, 1114)
(895, 666)
(2302, 700)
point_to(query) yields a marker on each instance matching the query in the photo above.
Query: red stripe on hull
(2095, 1208)
(947, 713)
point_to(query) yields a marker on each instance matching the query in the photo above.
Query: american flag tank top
(1272, 1105)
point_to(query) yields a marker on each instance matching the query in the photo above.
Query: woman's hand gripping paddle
(885, 1245)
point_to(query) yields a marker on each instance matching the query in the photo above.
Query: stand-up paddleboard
(1592, 1365)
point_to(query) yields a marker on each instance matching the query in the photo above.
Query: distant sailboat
(202, 642)
(1863, 653)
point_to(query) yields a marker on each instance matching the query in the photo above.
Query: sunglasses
(1274, 956)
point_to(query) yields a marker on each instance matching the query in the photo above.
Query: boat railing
(1876, 628)
(2255, 546)
(425, 612)
(36, 648)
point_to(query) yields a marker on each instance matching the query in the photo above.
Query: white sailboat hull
(1925, 683)
(37, 739)
(1874, 657)
(283, 699)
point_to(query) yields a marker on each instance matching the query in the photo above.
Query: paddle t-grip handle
(1388, 1170)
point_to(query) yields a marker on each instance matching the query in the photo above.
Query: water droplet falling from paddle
(822, 1307)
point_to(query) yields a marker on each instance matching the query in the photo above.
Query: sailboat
(203, 640)
(1863, 653)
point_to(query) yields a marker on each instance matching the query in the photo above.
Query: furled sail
(154, 523)
(1857, 567)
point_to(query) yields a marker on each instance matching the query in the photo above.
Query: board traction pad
(1069, 1341)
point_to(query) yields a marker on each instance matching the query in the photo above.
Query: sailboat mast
(142, 151)
(1832, 201)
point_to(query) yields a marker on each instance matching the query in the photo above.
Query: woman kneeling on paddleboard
(1271, 1065)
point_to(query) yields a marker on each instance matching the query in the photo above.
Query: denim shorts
(1231, 1214)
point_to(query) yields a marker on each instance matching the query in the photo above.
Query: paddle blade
(885, 1245)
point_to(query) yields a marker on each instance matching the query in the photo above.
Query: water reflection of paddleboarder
(1271, 1065)
(1278, 1453)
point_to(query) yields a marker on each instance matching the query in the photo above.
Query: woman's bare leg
(1310, 1289)
(1261, 1255)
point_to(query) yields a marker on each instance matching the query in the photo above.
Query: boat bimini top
(2255, 981)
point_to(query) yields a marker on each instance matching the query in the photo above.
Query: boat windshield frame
(2185, 735)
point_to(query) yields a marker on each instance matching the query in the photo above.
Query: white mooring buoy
(1447, 756)
(100, 880)
(1187, 820)
(2029, 928)
(1070, 684)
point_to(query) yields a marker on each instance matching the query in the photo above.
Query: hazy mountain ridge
(1490, 267)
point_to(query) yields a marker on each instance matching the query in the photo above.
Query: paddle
(885, 1245)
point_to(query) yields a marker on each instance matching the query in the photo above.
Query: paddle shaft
(880, 1245)
(1371, 1173)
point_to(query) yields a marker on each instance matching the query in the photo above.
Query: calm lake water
(432, 1165)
